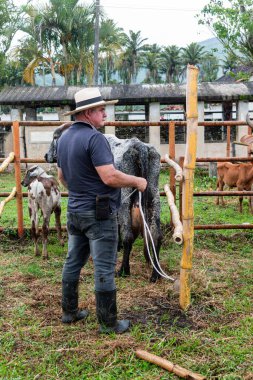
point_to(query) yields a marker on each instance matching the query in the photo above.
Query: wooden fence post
(188, 182)
(17, 168)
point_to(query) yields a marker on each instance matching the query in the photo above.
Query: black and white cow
(132, 157)
(44, 195)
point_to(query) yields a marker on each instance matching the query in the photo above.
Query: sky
(165, 22)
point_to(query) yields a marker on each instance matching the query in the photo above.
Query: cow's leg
(45, 229)
(57, 213)
(33, 213)
(250, 205)
(157, 238)
(127, 242)
(217, 188)
(240, 188)
(220, 188)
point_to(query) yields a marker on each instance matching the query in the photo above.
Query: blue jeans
(98, 238)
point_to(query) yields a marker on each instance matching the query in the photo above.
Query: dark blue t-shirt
(80, 149)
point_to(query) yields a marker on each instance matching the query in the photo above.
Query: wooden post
(181, 164)
(188, 182)
(17, 168)
(172, 156)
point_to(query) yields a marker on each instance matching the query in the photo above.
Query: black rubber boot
(70, 303)
(107, 314)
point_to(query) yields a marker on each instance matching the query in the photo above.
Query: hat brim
(80, 109)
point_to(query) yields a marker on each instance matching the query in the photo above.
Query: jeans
(98, 238)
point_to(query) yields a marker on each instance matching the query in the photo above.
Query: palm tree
(192, 54)
(151, 61)
(81, 45)
(130, 59)
(171, 63)
(112, 39)
(58, 18)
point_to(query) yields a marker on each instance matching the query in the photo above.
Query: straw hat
(88, 98)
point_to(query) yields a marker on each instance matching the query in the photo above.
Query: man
(86, 168)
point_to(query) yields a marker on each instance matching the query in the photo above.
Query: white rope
(160, 271)
(128, 196)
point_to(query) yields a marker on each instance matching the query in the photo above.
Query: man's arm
(61, 178)
(115, 178)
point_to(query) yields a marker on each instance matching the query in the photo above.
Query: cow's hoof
(154, 278)
(122, 273)
(45, 257)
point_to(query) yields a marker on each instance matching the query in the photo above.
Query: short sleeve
(100, 151)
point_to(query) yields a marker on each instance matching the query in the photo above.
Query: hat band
(89, 101)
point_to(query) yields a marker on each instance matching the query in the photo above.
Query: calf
(235, 175)
(136, 158)
(44, 195)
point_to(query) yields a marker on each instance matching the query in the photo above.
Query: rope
(128, 196)
(160, 271)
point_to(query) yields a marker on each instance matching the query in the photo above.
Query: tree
(232, 23)
(130, 59)
(112, 40)
(192, 54)
(171, 63)
(9, 24)
(209, 68)
(151, 61)
(58, 19)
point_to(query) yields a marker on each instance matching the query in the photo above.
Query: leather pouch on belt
(102, 207)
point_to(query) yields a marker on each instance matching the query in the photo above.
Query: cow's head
(51, 155)
(32, 173)
(249, 122)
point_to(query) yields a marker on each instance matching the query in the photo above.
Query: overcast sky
(165, 22)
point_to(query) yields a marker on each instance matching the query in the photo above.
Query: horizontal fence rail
(171, 124)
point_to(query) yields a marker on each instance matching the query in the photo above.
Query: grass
(213, 337)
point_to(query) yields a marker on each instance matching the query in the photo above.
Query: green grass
(213, 337)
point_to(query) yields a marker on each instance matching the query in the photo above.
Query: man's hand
(142, 184)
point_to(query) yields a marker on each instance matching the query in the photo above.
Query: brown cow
(235, 175)
(44, 195)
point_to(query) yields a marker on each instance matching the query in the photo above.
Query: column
(110, 111)
(30, 114)
(201, 131)
(154, 131)
(241, 113)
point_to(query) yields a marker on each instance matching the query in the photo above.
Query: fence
(186, 186)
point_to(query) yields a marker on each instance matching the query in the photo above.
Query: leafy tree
(229, 63)
(232, 23)
(9, 24)
(209, 68)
